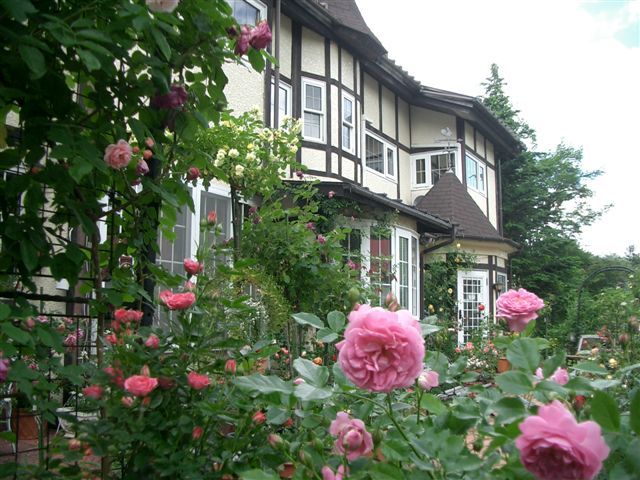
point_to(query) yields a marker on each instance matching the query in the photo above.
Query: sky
(572, 68)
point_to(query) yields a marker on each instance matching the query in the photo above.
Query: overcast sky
(572, 68)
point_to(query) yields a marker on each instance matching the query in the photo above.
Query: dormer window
(428, 167)
(248, 12)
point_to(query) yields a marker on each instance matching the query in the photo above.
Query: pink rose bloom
(176, 97)
(140, 385)
(327, 473)
(177, 301)
(212, 217)
(127, 316)
(162, 5)
(321, 239)
(242, 42)
(560, 376)
(353, 438)
(331, 194)
(111, 338)
(198, 381)
(152, 341)
(428, 379)
(230, 366)
(381, 350)
(142, 168)
(127, 401)
(93, 391)
(260, 36)
(4, 368)
(518, 307)
(554, 446)
(259, 417)
(192, 267)
(118, 155)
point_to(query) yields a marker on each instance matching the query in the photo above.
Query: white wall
(426, 125)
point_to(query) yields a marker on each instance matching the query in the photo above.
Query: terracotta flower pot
(503, 365)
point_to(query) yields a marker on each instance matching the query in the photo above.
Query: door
(473, 291)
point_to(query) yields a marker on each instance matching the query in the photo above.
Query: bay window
(428, 167)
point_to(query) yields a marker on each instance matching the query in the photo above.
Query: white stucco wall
(468, 135)
(312, 52)
(347, 69)
(348, 169)
(314, 159)
(388, 112)
(285, 46)
(426, 125)
(490, 154)
(245, 89)
(334, 60)
(371, 103)
(480, 144)
(480, 199)
(404, 170)
(404, 133)
(491, 195)
(379, 184)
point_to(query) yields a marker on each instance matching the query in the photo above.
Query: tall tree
(545, 207)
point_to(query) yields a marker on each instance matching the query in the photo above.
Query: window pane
(245, 13)
(210, 202)
(414, 276)
(421, 172)
(480, 177)
(381, 270)
(391, 162)
(312, 122)
(440, 164)
(374, 154)
(346, 137)
(347, 110)
(403, 271)
(472, 172)
(283, 100)
(313, 97)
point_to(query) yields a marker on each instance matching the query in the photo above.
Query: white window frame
(322, 113)
(386, 147)
(427, 156)
(413, 305)
(287, 88)
(482, 276)
(351, 126)
(479, 165)
(257, 4)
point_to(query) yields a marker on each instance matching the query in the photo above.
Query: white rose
(233, 153)
(251, 156)
(239, 171)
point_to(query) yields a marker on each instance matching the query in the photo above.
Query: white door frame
(482, 296)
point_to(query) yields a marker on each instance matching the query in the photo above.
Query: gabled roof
(449, 199)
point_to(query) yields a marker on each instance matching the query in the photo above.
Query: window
(348, 140)
(313, 105)
(380, 273)
(248, 12)
(407, 261)
(284, 99)
(429, 167)
(475, 174)
(352, 245)
(380, 156)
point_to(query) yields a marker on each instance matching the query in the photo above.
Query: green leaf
(256, 60)
(264, 384)
(336, 320)
(514, 382)
(550, 365)
(604, 410)
(29, 254)
(395, 450)
(34, 60)
(277, 416)
(590, 367)
(432, 404)
(311, 372)
(308, 319)
(161, 42)
(5, 311)
(634, 413)
(16, 334)
(338, 375)
(326, 335)
(19, 9)
(523, 353)
(80, 169)
(509, 409)
(307, 392)
(386, 471)
(89, 59)
(428, 329)
(258, 475)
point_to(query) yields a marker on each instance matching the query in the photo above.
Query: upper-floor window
(380, 156)
(348, 113)
(284, 101)
(248, 12)
(313, 110)
(475, 174)
(430, 166)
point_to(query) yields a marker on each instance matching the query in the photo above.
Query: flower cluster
(257, 37)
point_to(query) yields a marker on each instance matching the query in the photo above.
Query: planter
(67, 417)
(24, 424)
(503, 365)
